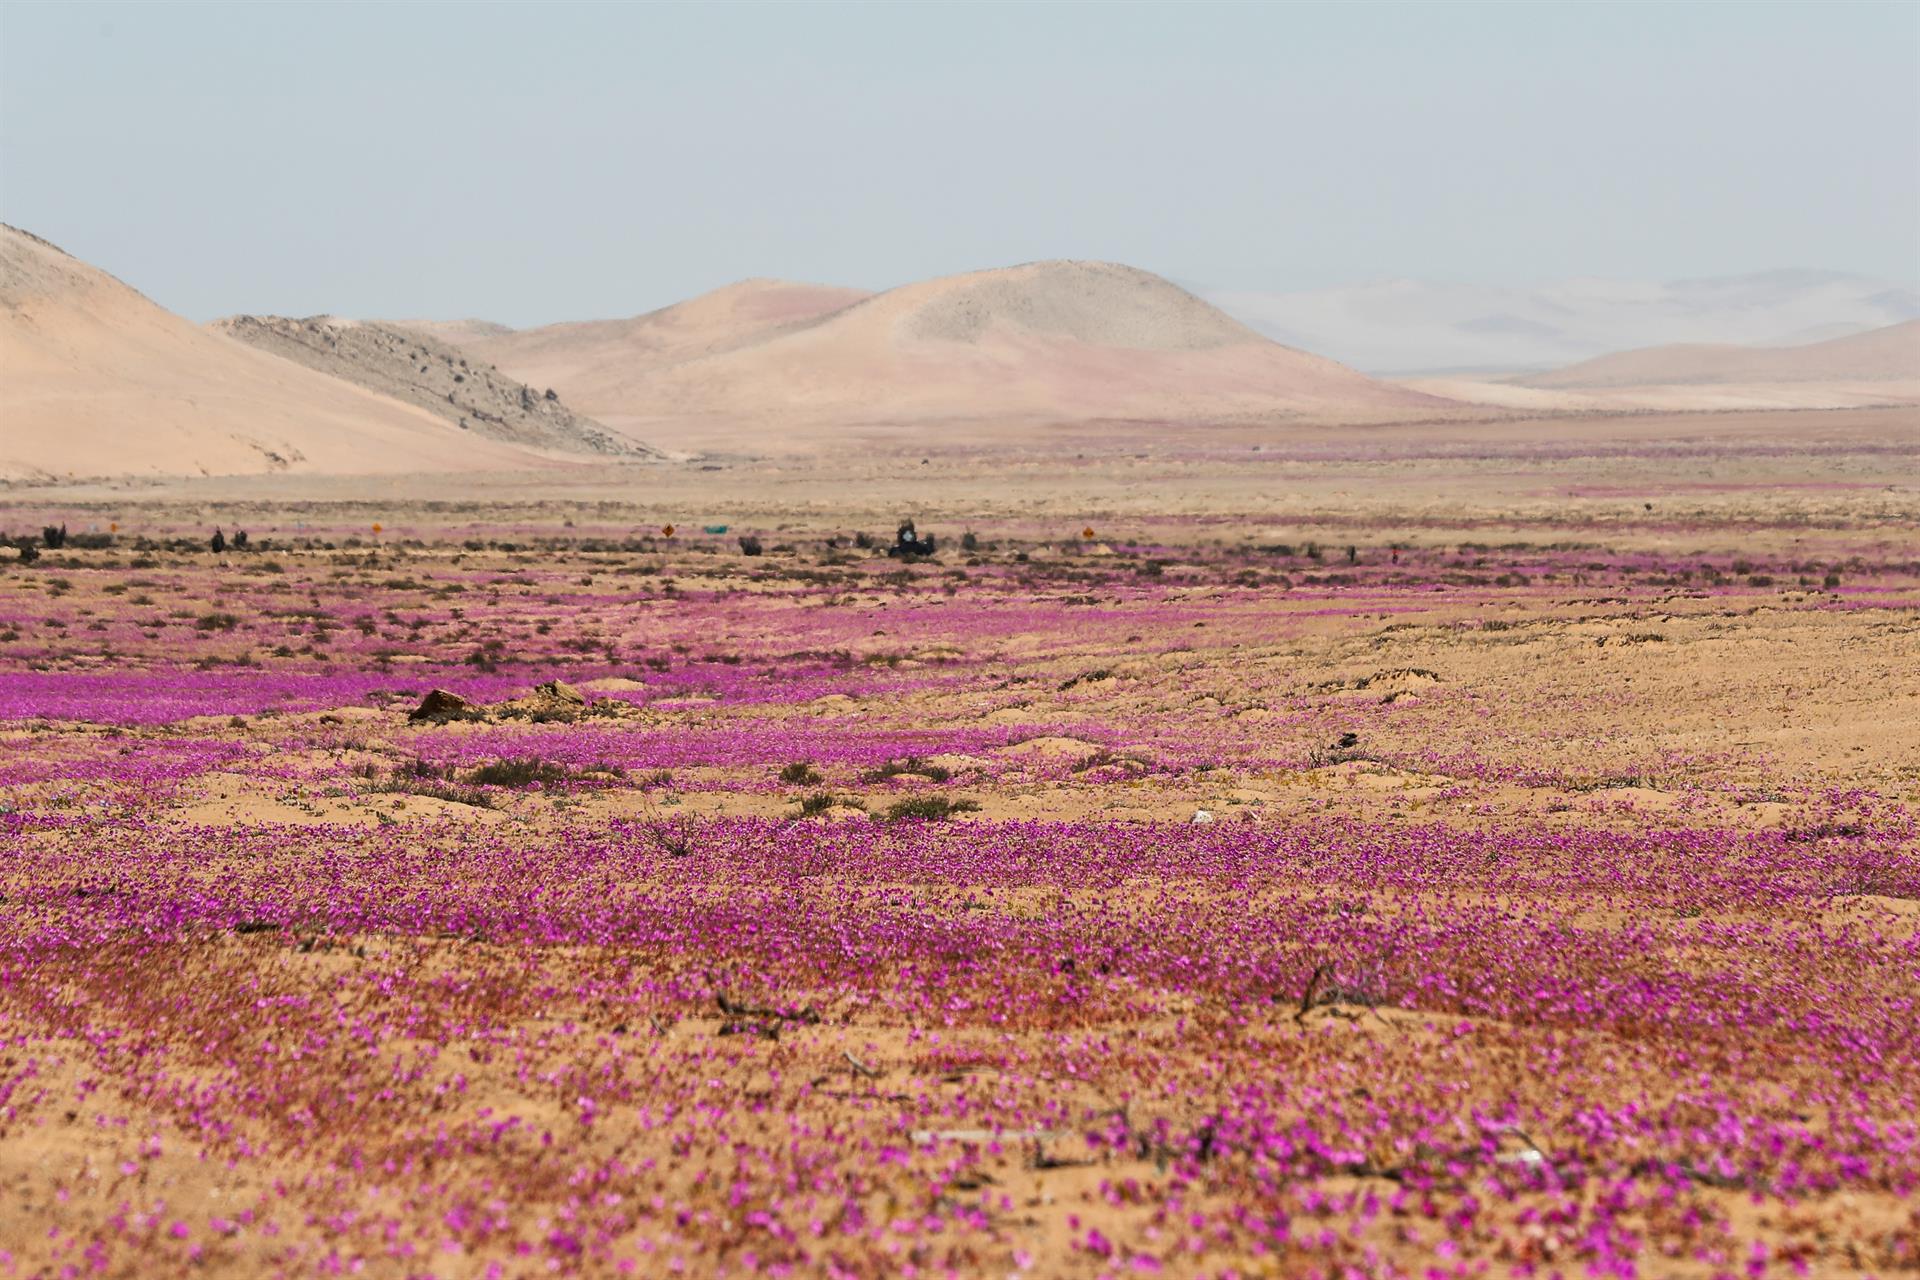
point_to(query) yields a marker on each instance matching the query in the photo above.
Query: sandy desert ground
(1420, 850)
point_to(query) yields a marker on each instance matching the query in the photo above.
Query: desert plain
(1448, 850)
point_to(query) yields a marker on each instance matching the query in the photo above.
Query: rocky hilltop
(419, 369)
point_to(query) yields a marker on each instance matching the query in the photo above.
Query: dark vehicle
(908, 542)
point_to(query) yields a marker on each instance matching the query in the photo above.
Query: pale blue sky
(532, 163)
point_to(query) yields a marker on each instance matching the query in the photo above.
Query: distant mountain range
(96, 379)
(1877, 367)
(1412, 326)
(1877, 355)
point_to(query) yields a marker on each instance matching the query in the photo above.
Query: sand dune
(1884, 354)
(421, 370)
(95, 379)
(1043, 342)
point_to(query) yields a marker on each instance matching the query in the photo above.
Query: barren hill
(603, 361)
(95, 379)
(1885, 354)
(421, 370)
(1043, 342)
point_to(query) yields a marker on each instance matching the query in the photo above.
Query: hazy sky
(541, 162)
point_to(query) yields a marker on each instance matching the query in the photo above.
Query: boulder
(443, 704)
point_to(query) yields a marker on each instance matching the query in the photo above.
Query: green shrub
(911, 766)
(524, 771)
(928, 809)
